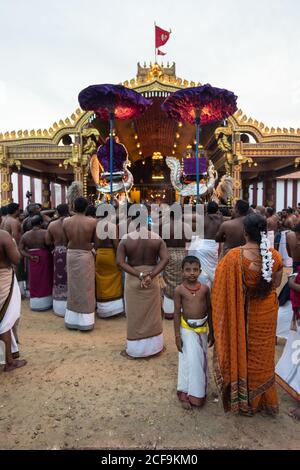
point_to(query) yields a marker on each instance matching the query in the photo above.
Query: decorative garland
(267, 259)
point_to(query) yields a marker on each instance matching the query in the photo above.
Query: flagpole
(155, 42)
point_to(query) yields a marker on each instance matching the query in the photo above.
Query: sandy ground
(78, 392)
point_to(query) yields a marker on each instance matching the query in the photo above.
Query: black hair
(242, 207)
(254, 206)
(80, 204)
(12, 208)
(31, 208)
(212, 207)
(36, 220)
(254, 224)
(62, 210)
(270, 211)
(289, 210)
(90, 211)
(225, 211)
(190, 260)
(3, 210)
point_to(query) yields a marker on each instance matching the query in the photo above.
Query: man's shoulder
(70, 221)
(4, 234)
(228, 223)
(26, 234)
(154, 236)
(12, 221)
(52, 224)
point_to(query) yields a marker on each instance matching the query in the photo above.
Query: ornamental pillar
(5, 185)
(237, 182)
(78, 173)
(46, 193)
(6, 165)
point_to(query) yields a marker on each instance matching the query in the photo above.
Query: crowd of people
(219, 288)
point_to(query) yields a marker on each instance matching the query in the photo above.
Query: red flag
(161, 36)
(160, 52)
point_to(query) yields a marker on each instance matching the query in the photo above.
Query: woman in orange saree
(245, 306)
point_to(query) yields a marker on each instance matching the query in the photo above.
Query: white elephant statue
(122, 181)
(190, 189)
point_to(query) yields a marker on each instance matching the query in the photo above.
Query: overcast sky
(50, 50)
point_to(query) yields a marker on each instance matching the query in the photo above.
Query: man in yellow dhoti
(109, 290)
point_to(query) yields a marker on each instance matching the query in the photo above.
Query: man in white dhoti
(143, 255)
(10, 300)
(191, 319)
(288, 366)
(79, 231)
(172, 274)
(207, 249)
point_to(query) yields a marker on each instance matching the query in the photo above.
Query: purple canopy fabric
(119, 153)
(189, 166)
(213, 104)
(123, 102)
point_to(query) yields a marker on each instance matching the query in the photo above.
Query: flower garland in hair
(267, 259)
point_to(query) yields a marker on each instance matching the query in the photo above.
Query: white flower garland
(267, 259)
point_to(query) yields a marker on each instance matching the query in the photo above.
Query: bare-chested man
(272, 220)
(272, 224)
(146, 258)
(10, 299)
(80, 232)
(207, 249)
(3, 213)
(212, 221)
(36, 209)
(293, 246)
(191, 320)
(231, 232)
(13, 226)
(292, 250)
(290, 220)
(176, 235)
(56, 237)
(12, 223)
(109, 285)
(33, 246)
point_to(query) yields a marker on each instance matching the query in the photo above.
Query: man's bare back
(293, 245)
(290, 221)
(231, 233)
(35, 238)
(79, 231)
(212, 223)
(13, 226)
(9, 253)
(170, 229)
(273, 223)
(142, 251)
(55, 233)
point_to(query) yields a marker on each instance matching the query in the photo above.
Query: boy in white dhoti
(192, 317)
